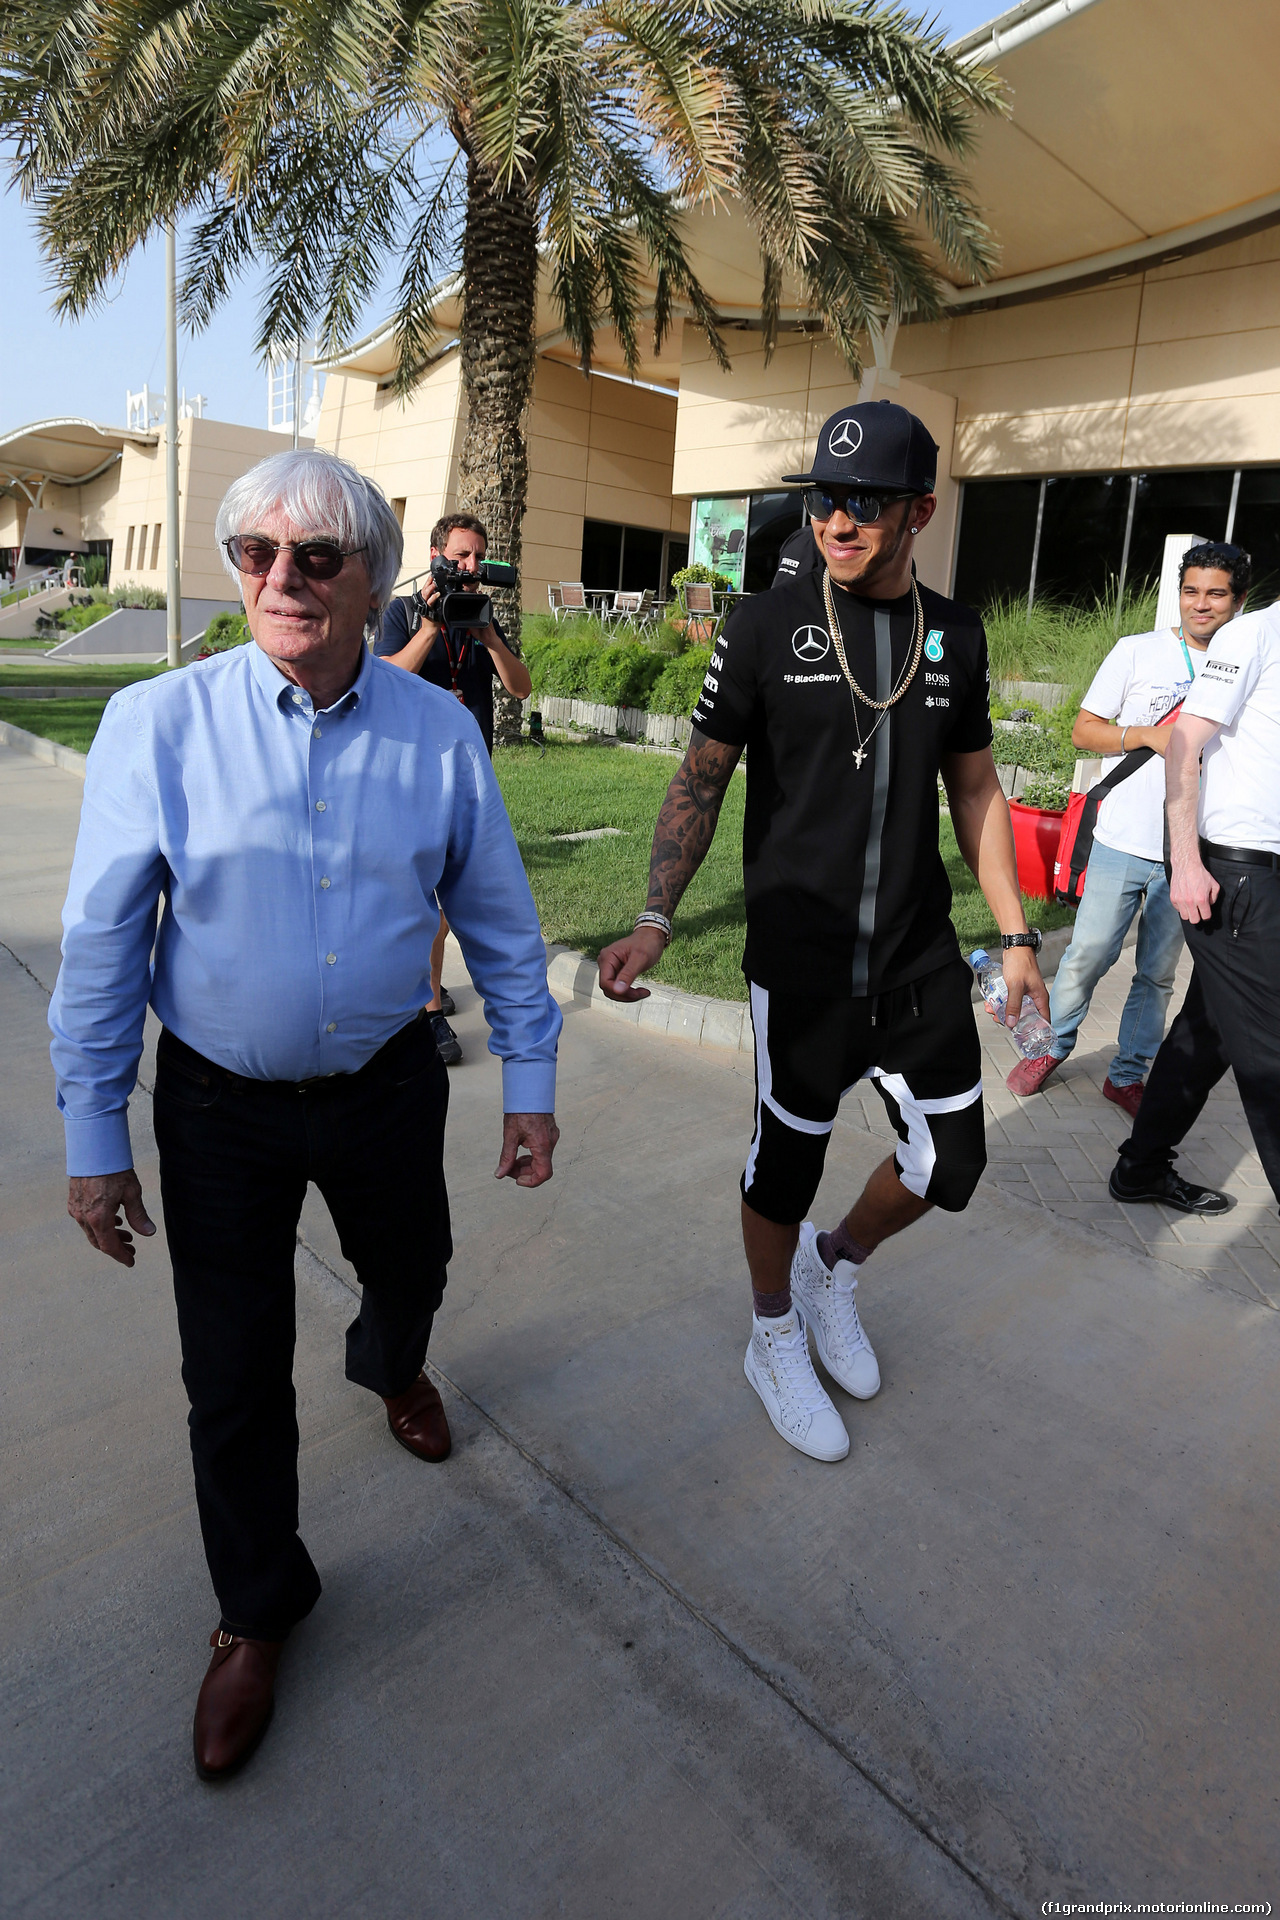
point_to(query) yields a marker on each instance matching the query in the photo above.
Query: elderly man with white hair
(291, 809)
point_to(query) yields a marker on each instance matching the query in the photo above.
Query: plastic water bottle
(1032, 1035)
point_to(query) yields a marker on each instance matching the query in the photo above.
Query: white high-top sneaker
(829, 1302)
(779, 1368)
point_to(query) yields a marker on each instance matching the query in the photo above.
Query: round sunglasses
(856, 503)
(314, 559)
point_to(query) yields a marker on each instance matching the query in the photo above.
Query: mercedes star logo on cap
(810, 643)
(845, 438)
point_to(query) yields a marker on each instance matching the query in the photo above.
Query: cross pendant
(859, 755)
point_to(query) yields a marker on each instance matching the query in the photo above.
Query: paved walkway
(1057, 1149)
(626, 1653)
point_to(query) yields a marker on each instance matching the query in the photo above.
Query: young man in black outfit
(421, 646)
(854, 688)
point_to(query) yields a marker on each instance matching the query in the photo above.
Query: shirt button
(317, 733)
(319, 806)
(325, 883)
(330, 958)
(297, 698)
(332, 1027)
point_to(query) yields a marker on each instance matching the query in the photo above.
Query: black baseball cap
(873, 444)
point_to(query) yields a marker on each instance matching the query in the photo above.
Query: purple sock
(771, 1306)
(840, 1245)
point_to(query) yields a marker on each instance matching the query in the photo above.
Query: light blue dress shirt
(298, 853)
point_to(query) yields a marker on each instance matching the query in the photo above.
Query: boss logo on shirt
(1220, 669)
(937, 679)
(810, 643)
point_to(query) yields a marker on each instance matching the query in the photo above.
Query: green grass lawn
(73, 673)
(589, 891)
(28, 646)
(72, 723)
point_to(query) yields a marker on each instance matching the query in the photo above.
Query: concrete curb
(698, 1019)
(50, 751)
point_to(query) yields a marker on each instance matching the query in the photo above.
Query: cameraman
(411, 639)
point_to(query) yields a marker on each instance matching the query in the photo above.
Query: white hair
(321, 495)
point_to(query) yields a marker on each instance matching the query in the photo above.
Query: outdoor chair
(631, 609)
(700, 605)
(573, 598)
(555, 600)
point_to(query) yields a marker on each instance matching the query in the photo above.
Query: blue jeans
(1118, 885)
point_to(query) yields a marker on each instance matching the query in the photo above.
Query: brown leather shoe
(237, 1699)
(417, 1420)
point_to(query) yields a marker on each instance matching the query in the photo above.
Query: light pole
(174, 594)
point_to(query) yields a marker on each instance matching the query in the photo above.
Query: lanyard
(1186, 654)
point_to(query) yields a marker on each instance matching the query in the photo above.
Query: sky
(51, 368)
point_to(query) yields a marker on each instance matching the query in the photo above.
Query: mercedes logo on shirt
(844, 439)
(810, 643)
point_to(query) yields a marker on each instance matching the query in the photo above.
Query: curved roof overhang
(65, 452)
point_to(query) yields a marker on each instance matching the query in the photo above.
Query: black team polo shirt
(846, 892)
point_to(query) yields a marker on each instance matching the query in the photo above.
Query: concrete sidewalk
(625, 1652)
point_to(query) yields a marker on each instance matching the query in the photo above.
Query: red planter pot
(1035, 840)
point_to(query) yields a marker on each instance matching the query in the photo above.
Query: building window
(142, 546)
(1087, 537)
(623, 558)
(155, 545)
(1256, 527)
(741, 535)
(774, 517)
(398, 507)
(128, 550)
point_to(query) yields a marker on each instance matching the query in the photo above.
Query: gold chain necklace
(855, 691)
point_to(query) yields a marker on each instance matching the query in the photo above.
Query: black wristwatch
(1031, 940)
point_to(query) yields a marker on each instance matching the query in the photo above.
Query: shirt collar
(280, 690)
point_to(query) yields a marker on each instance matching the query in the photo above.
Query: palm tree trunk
(500, 280)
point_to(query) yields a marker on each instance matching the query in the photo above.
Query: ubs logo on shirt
(810, 643)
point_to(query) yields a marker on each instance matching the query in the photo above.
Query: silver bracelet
(1123, 732)
(659, 920)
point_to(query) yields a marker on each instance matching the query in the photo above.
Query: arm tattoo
(687, 820)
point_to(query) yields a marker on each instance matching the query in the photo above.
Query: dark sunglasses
(314, 559)
(859, 505)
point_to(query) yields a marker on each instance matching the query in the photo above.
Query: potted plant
(693, 628)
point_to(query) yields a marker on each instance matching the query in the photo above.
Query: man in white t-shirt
(1141, 681)
(1224, 841)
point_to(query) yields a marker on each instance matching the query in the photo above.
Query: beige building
(1118, 379)
(74, 486)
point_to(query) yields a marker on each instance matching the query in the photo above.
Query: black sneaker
(1170, 1190)
(447, 1043)
(446, 1001)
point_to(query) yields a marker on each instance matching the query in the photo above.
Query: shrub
(95, 570)
(680, 683)
(1061, 642)
(623, 675)
(698, 575)
(138, 597)
(564, 666)
(1050, 791)
(224, 631)
(76, 619)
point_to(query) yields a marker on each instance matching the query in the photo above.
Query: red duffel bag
(1075, 842)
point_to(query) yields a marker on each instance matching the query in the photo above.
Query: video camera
(460, 606)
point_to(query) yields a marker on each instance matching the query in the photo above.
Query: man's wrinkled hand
(634, 953)
(94, 1202)
(539, 1133)
(1022, 976)
(1193, 891)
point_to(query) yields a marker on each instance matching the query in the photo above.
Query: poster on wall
(720, 536)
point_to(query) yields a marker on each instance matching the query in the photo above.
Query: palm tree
(491, 140)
